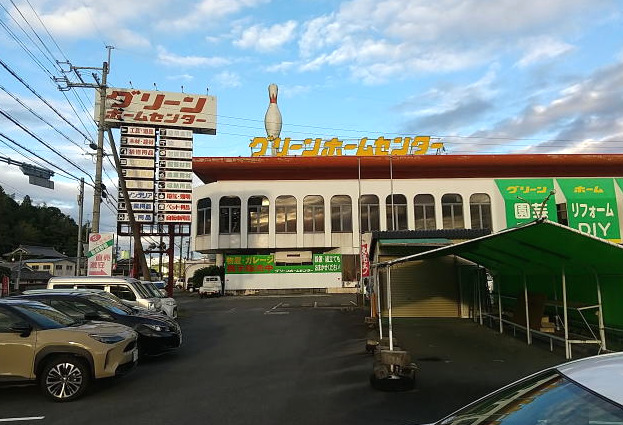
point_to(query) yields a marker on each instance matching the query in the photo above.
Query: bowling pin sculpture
(272, 119)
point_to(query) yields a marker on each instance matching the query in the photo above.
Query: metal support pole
(80, 211)
(525, 292)
(499, 279)
(389, 308)
(378, 300)
(171, 253)
(479, 295)
(566, 322)
(19, 272)
(600, 313)
(101, 127)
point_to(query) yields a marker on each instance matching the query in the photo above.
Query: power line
(17, 123)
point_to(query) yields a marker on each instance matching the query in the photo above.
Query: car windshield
(141, 289)
(548, 398)
(152, 290)
(111, 304)
(45, 316)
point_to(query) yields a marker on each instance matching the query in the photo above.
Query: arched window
(341, 214)
(258, 214)
(480, 211)
(313, 214)
(396, 212)
(204, 216)
(229, 215)
(424, 206)
(369, 213)
(285, 214)
(452, 211)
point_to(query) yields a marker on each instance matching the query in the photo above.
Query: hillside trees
(28, 224)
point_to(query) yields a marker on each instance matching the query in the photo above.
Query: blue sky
(505, 76)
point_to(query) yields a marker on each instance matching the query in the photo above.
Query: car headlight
(157, 328)
(107, 338)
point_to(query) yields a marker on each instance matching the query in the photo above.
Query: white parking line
(31, 418)
(272, 310)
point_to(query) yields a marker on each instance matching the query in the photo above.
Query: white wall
(259, 281)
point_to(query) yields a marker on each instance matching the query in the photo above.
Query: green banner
(592, 207)
(322, 263)
(524, 200)
(620, 182)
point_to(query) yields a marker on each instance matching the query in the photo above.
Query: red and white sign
(99, 256)
(174, 218)
(178, 207)
(365, 261)
(158, 109)
(143, 152)
(142, 131)
(138, 141)
(175, 196)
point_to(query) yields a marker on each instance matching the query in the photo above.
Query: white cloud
(393, 37)
(228, 79)
(542, 48)
(173, 59)
(208, 12)
(265, 39)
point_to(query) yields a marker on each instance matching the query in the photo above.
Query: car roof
(19, 301)
(79, 291)
(601, 374)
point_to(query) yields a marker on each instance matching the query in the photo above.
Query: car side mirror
(23, 328)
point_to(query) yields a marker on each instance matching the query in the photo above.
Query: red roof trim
(210, 169)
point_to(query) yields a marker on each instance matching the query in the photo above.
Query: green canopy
(538, 247)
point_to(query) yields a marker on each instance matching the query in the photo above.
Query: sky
(484, 77)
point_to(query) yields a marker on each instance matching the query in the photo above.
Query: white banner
(99, 256)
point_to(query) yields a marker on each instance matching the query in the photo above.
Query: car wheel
(65, 378)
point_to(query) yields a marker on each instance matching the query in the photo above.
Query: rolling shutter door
(424, 289)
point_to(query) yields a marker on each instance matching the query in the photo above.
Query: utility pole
(66, 84)
(80, 210)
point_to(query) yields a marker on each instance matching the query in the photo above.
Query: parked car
(169, 305)
(126, 288)
(585, 391)
(157, 333)
(41, 344)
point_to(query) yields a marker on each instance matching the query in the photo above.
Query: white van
(128, 289)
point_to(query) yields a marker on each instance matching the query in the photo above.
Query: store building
(296, 207)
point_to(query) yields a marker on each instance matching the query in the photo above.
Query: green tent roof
(539, 247)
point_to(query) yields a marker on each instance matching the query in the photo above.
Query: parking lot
(271, 360)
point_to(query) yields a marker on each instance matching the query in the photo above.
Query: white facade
(344, 243)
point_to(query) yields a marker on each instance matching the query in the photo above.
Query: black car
(156, 332)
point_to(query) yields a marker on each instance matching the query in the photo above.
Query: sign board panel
(174, 186)
(138, 217)
(175, 207)
(175, 196)
(193, 112)
(138, 141)
(175, 175)
(138, 196)
(141, 152)
(138, 131)
(524, 198)
(137, 173)
(174, 218)
(136, 206)
(322, 263)
(139, 184)
(592, 207)
(137, 163)
(175, 154)
(100, 255)
(173, 164)
(175, 143)
(176, 133)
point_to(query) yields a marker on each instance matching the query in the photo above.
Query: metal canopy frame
(536, 248)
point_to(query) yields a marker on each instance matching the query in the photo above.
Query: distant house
(36, 264)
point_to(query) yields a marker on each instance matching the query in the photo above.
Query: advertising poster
(322, 263)
(524, 199)
(592, 207)
(100, 254)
